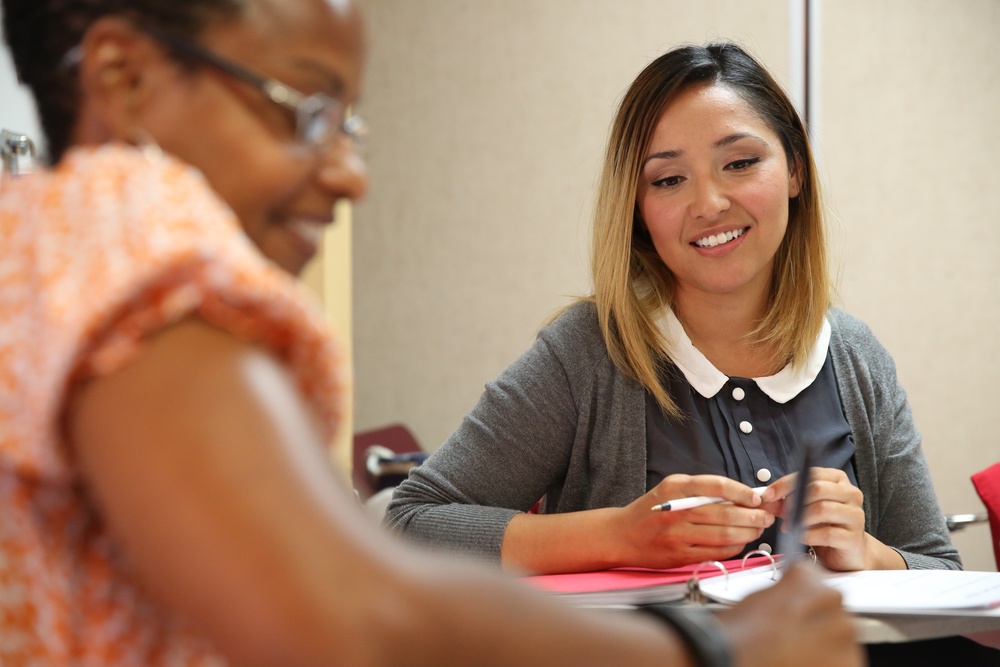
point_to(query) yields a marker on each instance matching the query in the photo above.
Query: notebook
(634, 586)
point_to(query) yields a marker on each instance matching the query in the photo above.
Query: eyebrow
(721, 143)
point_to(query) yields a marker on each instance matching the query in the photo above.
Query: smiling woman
(195, 155)
(706, 358)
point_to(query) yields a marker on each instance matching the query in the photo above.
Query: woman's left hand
(834, 522)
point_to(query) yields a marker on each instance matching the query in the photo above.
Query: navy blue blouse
(742, 433)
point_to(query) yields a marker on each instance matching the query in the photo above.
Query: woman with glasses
(166, 392)
(705, 360)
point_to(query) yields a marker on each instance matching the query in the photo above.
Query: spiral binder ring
(694, 593)
(761, 552)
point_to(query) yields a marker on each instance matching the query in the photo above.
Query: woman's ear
(795, 179)
(114, 80)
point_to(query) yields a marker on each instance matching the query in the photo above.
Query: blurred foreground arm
(208, 469)
(798, 621)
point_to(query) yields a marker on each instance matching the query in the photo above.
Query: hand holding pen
(696, 501)
(715, 529)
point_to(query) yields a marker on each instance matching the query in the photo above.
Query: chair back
(382, 457)
(987, 483)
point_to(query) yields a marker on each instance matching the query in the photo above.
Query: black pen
(790, 538)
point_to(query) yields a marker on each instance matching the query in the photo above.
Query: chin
(292, 263)
(295, 269)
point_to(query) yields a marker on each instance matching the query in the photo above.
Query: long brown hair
(632, 284)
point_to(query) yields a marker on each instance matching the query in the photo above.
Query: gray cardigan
(565, 423)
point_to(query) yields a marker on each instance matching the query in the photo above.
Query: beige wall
(17, 109)
(488, 124)
(910, 108)
(329, 278)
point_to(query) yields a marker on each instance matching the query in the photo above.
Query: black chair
(383, 457)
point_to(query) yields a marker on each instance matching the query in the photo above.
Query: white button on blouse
(764, 546)
(746, 427)
(763, 475)
(739, 394)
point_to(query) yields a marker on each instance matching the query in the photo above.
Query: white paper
(882, 591)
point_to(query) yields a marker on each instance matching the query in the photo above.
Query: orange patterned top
(95, 255)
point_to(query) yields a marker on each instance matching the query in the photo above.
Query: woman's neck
(719, 326)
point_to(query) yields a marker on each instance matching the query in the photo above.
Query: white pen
(696, 501)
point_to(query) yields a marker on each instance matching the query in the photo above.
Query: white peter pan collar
(707, 380)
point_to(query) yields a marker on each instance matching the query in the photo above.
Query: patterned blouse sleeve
(105, 251)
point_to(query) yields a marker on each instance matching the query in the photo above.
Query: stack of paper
(931, 592)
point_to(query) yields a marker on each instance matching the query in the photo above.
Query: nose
(709, 199)
(343, 172)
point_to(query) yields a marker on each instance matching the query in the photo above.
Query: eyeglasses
(319, 118)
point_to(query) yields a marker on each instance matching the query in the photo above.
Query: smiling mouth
(719, 239)
(310, 231)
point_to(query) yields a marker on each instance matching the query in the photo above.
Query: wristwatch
(700, 629)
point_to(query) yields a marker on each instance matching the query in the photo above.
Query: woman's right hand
(711, 532)
(798, 621)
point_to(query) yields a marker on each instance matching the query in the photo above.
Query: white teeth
(718, 239)
(309, 230)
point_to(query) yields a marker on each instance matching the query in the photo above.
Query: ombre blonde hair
(632, 285)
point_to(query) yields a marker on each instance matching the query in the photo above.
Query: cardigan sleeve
(901, 508)
(911, 521)
(509, 450)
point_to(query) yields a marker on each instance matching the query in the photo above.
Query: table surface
(875, 629)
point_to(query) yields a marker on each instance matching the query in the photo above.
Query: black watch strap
(700, 629)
